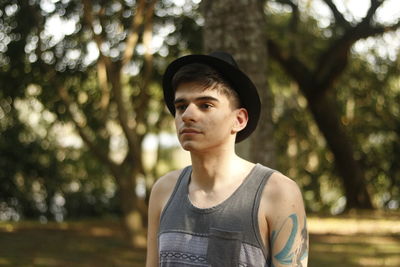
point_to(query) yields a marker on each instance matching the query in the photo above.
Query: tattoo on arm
(292, 254)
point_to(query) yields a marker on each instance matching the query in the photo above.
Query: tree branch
(294, 67)
(103, 83)
(111, 72)
(333, 62)
(339, 18)
(127, 123)
(103, 60)
(88, 20)
(144, 95)
(287, 2)
(79, 125)
(140, 18)
(134, 33)
(147, 38)
(293, 29)
(335, 59)
(375, 4)
(377, 30)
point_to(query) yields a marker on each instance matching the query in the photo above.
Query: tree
(99, 95)
(317, 83)
(238, 27)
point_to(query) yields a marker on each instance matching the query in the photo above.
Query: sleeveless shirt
(224, 235)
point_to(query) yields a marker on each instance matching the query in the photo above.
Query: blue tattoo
(303, 250)
(287, 255)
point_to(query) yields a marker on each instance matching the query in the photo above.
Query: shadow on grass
(334, 242)
(67, 246)
(354, 250)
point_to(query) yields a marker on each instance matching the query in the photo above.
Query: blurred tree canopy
(80, 93)
(88, 67)
(330, 77)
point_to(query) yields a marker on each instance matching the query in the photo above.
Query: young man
(222, 210)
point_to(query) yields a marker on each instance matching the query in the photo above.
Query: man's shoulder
(281, 188)
(166, 183)
(282, 197)
(162, 190)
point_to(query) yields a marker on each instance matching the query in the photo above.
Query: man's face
(205, 118)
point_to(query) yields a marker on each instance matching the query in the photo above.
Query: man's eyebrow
(207, 98)
(201, 98)
(180, 100)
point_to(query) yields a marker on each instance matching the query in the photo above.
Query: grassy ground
(67, 244)
(369, 240)
(353, 240)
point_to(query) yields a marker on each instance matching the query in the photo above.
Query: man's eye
(180, 107)
(206, 106)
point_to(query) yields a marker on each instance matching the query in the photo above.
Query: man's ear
(242, 117)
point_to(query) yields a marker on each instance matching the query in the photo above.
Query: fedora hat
(226, 66)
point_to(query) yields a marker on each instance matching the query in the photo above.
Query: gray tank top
(224, 235)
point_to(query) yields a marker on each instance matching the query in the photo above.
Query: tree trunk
(325, 115)
(317, 90)
(133, 208)
(238, 27)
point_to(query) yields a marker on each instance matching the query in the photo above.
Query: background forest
(84, 132)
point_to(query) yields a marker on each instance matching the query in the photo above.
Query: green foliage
(298, 139)
(37, 175)
(369, 106)
(37, 171)
(366, 97)
(47, 172)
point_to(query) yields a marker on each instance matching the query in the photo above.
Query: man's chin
(190, 146)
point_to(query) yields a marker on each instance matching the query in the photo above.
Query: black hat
(229, 70)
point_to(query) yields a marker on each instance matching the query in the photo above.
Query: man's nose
(190, 113)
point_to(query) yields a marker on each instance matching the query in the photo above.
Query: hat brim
(244, 87)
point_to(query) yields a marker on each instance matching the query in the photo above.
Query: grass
(369, 239)
(349, 251)
(351, 240)
(66, 244)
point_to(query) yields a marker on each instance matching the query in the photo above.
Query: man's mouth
(189, 131)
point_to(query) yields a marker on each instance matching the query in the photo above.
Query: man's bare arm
(159, 196)
(288, 233)
(154, 219)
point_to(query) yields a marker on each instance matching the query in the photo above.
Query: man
(222, 210)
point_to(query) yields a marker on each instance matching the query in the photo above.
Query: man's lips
(189, 131)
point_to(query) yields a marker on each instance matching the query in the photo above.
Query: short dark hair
(207, 77)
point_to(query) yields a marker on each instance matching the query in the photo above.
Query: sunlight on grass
(369, 261)
(7, 227)
(4, 261)
(352, 226)
(347, 241)
(353, 241)
(83, 243)
(39, 261)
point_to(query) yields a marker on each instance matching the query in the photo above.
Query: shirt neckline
(221, 204)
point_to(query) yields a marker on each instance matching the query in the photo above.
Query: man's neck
(217, 168)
